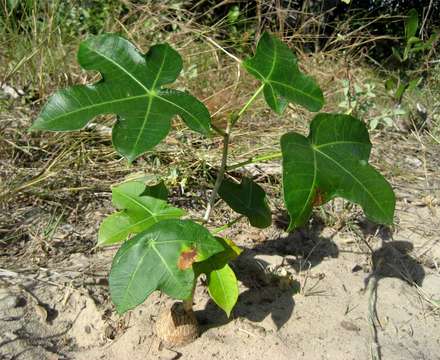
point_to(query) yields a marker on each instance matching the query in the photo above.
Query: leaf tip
(227, 312)
(388, 219)
(32, 129)
(295, 223)
(36, 126)
(121, 309)
(130, 158)
(101, 242)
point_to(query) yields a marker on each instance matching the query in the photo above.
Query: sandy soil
(64, 312)
(353, 287)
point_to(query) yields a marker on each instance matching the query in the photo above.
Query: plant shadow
(369, 228)
(302, 250)
(255, 304)
(31, 339)
(394, 260)
(267, 292)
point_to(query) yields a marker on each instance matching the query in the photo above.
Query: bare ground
(340, 288)
(64, 311)
(304, 295)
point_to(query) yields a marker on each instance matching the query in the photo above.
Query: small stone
(356, 268)
(10, 92)
(9, 336)
(110, 332)
(168, 354)
(41, 312)
(413, 162)
(270, 260)
(9, 302)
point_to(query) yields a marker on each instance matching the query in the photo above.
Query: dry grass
(55, 187)
(47, 176)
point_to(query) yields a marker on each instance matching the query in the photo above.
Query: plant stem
(188, 303)
(226, 137)
(255, 159)
(221, 172)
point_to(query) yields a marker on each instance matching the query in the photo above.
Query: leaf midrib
(340, 143)
(149, 94)
(144, 123)
(164, 262)
(133, 274)
(312, 187)
(297, 90)
(182, 109)
(84, 108)
(268, 81)
(137, 203)
(150, 103)
(355, 178)
(148, 91)
(128, 228)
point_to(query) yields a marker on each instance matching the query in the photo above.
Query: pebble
(168, 354)
(267, 260)
(413, 162)
(9, 301)
(9, 335)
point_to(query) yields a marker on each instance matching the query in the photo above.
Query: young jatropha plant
(160, 250)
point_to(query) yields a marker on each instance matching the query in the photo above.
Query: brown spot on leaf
(319, 197)
(186, 259)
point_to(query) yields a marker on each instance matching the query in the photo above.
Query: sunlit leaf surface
(131, 88)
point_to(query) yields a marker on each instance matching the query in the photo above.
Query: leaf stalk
(255, 159)
(226, 226)
(250, 101)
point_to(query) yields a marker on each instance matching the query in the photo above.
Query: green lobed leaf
(248, 199)
(333, 161)
(159, 258)
(139, 211)
(131, 88)
(277, 67)
(223, 288)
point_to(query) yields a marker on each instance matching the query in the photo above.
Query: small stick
(372, 297)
